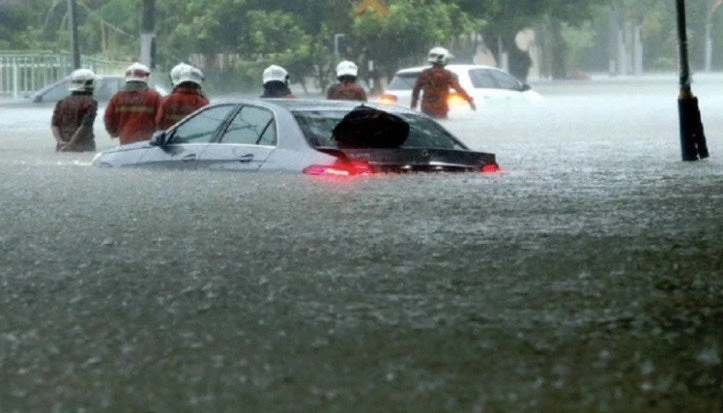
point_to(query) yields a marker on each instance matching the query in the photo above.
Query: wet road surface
(586, 277)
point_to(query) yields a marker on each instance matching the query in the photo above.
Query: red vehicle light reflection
(387, 99)
(340, 168)
(455, 100)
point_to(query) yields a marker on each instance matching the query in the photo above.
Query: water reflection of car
(314, 137)
(486, 84)
(107, 86)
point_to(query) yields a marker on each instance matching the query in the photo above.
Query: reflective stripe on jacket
(131, 115)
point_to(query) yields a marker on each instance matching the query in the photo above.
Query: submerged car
(486, 84)
(314, 137)
(107, 86)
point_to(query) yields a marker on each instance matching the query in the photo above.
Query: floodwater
(585, 277)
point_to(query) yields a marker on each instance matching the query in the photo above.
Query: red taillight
(340, 168)
(387, 99)
(489, 168)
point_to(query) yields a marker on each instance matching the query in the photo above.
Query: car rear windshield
(423, 132)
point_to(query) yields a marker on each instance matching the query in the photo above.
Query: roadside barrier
(24, 72)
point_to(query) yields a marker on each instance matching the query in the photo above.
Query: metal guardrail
(25, 72)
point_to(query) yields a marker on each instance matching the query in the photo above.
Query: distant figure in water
(276, 83)
(346, 89)
(185, 98)
(131, 113)
(73, 117)
(435, 83)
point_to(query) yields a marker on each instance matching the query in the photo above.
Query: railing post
(15, 79)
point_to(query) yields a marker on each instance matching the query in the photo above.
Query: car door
(187, 140)
(247, 140)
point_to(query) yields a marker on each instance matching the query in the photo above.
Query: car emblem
(425, 153)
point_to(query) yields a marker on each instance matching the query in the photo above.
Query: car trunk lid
(402, 160)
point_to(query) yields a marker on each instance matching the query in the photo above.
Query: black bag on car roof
(366, 127)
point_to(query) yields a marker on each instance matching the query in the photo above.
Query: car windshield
(406, 80)
(403, 81)
(423, 132)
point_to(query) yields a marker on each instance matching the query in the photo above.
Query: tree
(506, 18)
(409, 29)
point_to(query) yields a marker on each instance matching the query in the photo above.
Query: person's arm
(56, 135)
(54, 128)
(109, 119)
(160, 114)
(81, 132)
(416, 89)
(460, 90)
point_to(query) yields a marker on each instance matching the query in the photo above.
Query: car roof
(66, 79)
(452, 67)
(321, 104)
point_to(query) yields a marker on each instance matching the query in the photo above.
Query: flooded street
(585, 277)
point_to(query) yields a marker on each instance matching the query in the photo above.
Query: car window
(201, 127)
(423, 132)
(251, 126)
(403, 81)
(506, 81)
(268, 137)
(57, 92)
(426, 133)
(107, 87)
(482, 79)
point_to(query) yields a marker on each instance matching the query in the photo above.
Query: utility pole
(148, 34)
(692, 138)
(708, 45)
(73, 27)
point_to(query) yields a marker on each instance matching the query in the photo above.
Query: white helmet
(188, 73)
(275, 72)
(175, 71)
(82, 80)
(137, 72)
(346, 68)
(439, 55)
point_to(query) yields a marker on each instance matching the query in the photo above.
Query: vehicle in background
(486, 84)
(314, 137)
(107, 86)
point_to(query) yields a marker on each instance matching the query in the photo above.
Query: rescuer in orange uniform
(185, 98)
(435, 82)
(131, 113)
(346, 89)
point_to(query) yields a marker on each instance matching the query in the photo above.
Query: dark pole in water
(692, 138)
(73, 26)
(148, 33)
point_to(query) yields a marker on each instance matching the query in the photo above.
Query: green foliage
(405, 34)
(299, 34)
(275, 38)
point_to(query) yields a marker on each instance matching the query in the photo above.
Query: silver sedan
(314, 137)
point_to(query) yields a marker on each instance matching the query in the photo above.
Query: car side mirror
(158, 138)
(525, 87)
